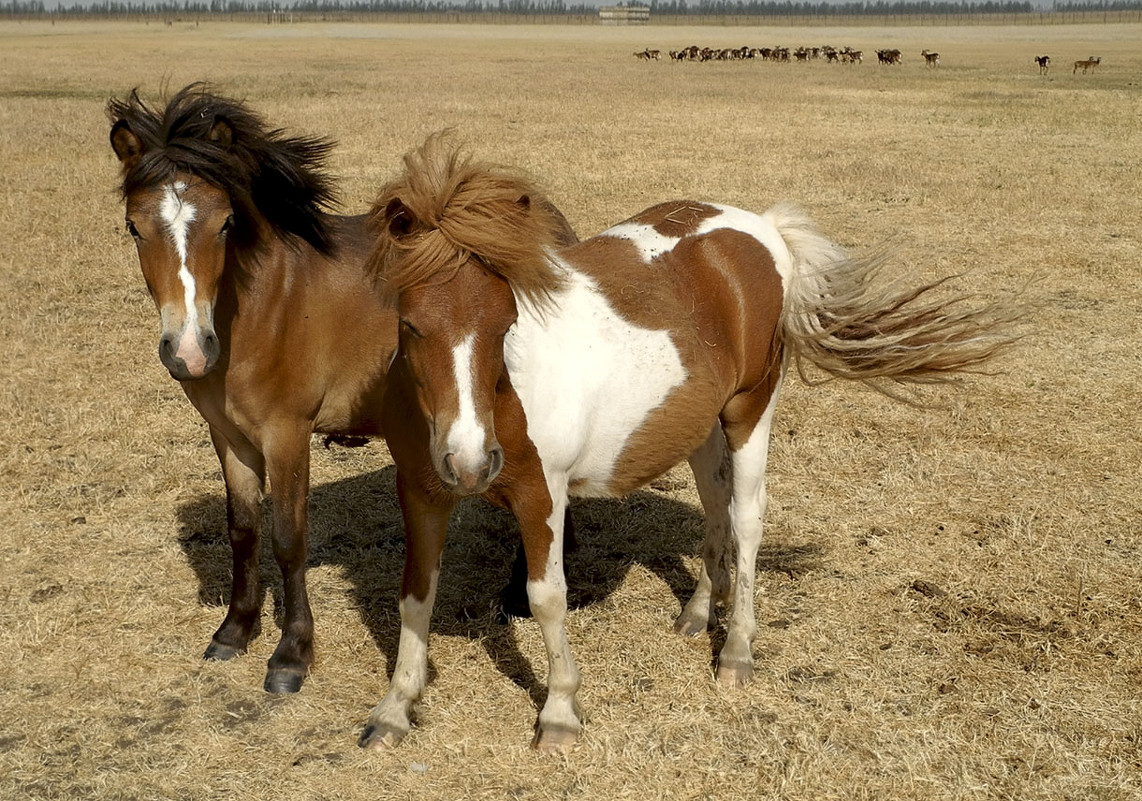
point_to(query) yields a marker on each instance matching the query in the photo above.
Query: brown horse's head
(456, 244)
(180, 227)
(204, 179)
(452, 344)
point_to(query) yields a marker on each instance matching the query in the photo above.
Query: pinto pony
(527, 374)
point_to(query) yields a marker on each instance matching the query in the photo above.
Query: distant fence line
(664, 20)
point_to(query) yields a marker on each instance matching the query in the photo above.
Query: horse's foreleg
(425, 525)
(541, 525)
(287, 461)
(713, 473)
(747, 512)
(513, 597)
(244, 472)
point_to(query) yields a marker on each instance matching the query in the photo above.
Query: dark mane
(444, 209)
(265, 172)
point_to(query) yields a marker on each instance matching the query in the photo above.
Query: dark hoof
(217, 652)
(281, 681)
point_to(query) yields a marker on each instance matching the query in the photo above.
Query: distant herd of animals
(844, 55)
(463, 322)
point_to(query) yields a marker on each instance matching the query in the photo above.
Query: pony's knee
(547, 598)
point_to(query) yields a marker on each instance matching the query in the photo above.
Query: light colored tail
(848, 318)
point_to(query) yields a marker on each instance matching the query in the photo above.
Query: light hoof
(381, 737)
(217, 652)
(735, 675)
(283, 681)
(554, 740)
(689, 626)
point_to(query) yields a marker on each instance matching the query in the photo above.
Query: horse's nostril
(449, 471)
(495, 462)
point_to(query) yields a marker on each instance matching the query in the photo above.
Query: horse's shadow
(355, 524)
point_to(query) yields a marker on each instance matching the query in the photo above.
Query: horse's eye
(410, 328)
(132, 230)
(227, 226)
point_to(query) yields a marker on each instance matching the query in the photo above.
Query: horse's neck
(262, 283)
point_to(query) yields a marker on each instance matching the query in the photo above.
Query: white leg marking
(713, 473)
(466, 437)
(559, 719)
(747, 511)
(391, 718)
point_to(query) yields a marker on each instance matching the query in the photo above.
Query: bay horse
(527, 373)
(269, 320)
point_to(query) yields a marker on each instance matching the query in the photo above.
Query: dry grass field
(950, 597)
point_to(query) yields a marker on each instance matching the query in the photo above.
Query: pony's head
(456, 244)
(204, 179)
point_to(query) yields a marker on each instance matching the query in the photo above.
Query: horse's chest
(588, 380)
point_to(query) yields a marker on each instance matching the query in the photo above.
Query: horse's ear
(397, 218)
(127, 146)
(221, 133)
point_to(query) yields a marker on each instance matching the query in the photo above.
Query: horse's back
(666, 317)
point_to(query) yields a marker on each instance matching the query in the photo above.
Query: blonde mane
(444, 210)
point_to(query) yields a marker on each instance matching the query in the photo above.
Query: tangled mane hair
(265, 172)
(444, 209)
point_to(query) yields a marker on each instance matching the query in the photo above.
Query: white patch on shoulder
(760, 227)
(650, 243)
(465, 436)
(587, 379)
(178, 214)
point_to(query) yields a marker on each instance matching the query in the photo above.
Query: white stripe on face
(178, 215)
(466, 436)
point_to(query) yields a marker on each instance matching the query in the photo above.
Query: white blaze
(466, 436)
(178, 215)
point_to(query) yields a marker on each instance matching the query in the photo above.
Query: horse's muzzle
(191, 355)
(464, 480)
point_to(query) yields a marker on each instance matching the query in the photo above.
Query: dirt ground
(949, 597)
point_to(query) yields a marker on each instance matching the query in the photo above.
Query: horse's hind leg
(713, 473)
(748, 435)
(244, 472)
